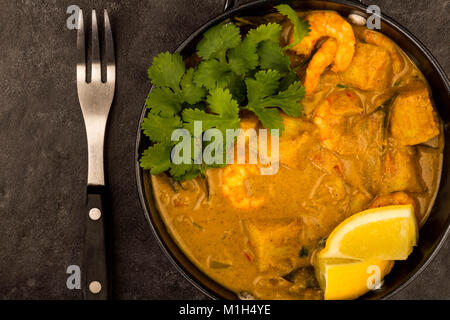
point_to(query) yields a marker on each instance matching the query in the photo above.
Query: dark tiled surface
(43, 153)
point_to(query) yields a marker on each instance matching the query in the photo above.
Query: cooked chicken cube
(371, 68)
(294, 143)
(277, 243)
(293, 150)
(401, 171)
(358, 202)
(413, 119)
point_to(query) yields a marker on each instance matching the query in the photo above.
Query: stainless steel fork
(95, 99)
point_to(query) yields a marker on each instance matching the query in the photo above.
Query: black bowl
(434, 231)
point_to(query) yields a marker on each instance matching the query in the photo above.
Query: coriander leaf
(244, 57)
(236, 86)
(288, 79)
(217, 40)
(191, 93)
(182, 171)
(156, 158)
(262, 98)
(208, 120)
(160, 129)
(163, 101)
(223, 105)
(270, 31)
(269, 117)
(211, 74)
(178, 170)
(221, 102)
(288, 100)
(190, 174)
(301, 26)
(167, 70)
(265, 84)
(272, 57)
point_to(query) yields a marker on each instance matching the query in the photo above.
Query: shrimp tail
(320, 61)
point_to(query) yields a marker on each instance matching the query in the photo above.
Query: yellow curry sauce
(358, 144)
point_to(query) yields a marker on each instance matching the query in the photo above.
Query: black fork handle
(95, 271)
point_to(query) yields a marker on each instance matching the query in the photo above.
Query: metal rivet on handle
(95, 214)
(95, 287)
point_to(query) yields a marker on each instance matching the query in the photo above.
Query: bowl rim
(221, 17)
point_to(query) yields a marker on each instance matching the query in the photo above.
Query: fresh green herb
(340, 85)
(217, 40)
(272, 57)
(397, 83)
(270, 31)
(160, 129)
(157, 157)
(174, 86)
(218, 265)
(235, 73)
(190, 92)
(167, 70)
(244, 57)
(224, 112)
(263, 98)
(288, 79)
(303, 252)
(301, 26)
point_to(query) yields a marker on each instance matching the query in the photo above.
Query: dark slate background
(43, 158)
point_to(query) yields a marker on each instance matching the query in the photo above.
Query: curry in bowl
(368, 136)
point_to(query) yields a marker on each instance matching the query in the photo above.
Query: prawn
(384, 42)
(330, 118)
(395, 198)
(321, 60)
(329, 24)
(235, 189)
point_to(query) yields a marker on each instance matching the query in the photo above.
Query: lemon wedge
(342, 279)
(358, 252)
(385, 233)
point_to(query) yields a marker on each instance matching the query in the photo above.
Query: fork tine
(81, 53)
(96, 73)
(109, 50)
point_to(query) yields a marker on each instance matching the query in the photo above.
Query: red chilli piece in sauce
(248, 256)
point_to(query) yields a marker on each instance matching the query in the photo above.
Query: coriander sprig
(235, 72)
